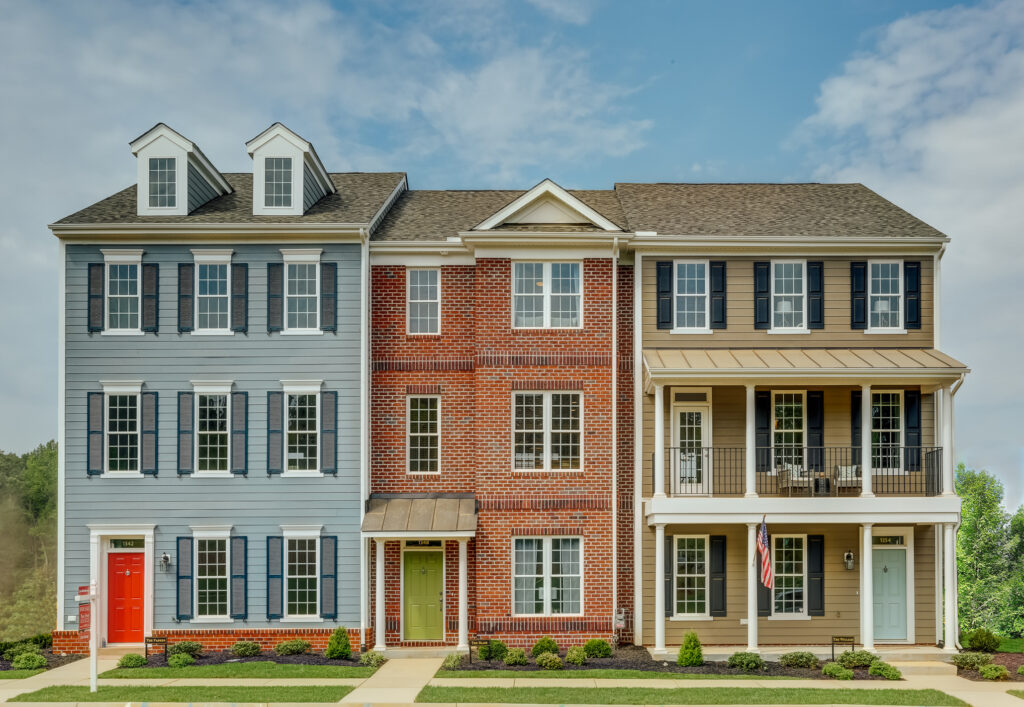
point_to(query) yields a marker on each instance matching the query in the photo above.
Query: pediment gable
(546, 204)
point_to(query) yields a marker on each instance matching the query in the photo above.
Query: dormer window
(162, 182)
(278, 182)
(174, 176)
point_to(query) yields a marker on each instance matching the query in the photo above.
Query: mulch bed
(218, 657)
(637, 658)
(54, 661)
(1012, 661)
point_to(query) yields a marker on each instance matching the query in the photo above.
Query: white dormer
(175, 177)
(546, 204)
(287, 175)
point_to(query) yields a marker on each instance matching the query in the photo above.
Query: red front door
(125, 597)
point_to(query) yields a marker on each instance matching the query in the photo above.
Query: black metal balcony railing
(803, 471)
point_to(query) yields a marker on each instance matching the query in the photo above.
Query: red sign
(84, 614)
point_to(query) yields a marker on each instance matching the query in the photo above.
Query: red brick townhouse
(494, 452)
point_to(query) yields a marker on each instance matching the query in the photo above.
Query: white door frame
(705, 410)
(444, 593)
(908, 546)
(100, 535)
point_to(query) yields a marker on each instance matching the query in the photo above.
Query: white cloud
(575, 11)
(932, 117)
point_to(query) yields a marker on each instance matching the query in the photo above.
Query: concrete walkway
(398, 681)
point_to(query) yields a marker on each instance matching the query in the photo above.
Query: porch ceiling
(420, 515)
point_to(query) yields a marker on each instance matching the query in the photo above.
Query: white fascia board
(111, 232)
(157, 131)
(888, 510)
(477, 240)
(803, 245)
(403, 184)
(418, 534)
(547, 187)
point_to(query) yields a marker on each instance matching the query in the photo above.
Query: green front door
(890, 594)
(423, 589)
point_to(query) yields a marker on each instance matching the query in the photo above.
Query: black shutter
(912, 295)
(97, 284)
(239, 297)
(912, 444)
(670, 568)
(329, 432)
(858, 295)
(815, 429)
(94, 425)
(186, 432)
(150, 297)
(184, 586)
(148, 427)
(816, 295)
(329, 577)
(718, 294)
(328, 296)
(186, 296)
(275, 296)
(764, 594)
(664, 270)
(239, 433)
(275, 571)
(275, 432)
(762, 429)
(816, 575)
(856, 400)
(717, 575)
(239, 577)
(762, 295)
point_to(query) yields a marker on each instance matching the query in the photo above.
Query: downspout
(61, 436)
(615, 428)
(364, 425)
(956, 528)
(638, 588)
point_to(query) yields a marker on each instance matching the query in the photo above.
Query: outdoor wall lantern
(848, 559)
(165, 561)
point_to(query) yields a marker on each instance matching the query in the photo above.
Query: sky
(921, 101)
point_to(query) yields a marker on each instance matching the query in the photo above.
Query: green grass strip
(259, 669)
(1010, 645)
(18, 674)
(227, 693)
(688, 696)
(599, 673)
(1016, 693)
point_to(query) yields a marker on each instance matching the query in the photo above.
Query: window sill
(788, 331)
(691, 331)
(294, 473)
(423, 473)
(122, 332)
(125, 474)
(788, 618)
(684, 618)
(546, 328)
(212, 474)
(424, 334)
(885, 331)
(212, 620)
(546, 471)
(302, 332)
(212, 332)
(301, 620)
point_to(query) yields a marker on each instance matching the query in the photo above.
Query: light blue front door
(890, 594)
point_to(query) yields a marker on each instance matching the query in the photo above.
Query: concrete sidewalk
(398, 681)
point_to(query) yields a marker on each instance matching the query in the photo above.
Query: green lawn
(1010, 645)
(228, 693)
(605, 673)
(688, 696)
(1016, 693)
(258, 669)
(18, 674)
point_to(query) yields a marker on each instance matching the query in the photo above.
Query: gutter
(615, 428)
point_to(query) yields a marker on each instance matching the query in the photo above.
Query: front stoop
(423, 652)
(924, 667)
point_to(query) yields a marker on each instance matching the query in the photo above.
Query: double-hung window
(789, 295)
(546, 295)
(122, 430)
(423, 301)
(885, 295)
(789, 428)
(691, 575)
(212, 578)
(303, 431)
(886, 429)
(547, 576)
(212, 439)
(277, 182)
(302, 291)
(162, 182)
(213, 291)
(691, 296)
(123, 293)
(302, 581)
(424, 432)
(790, 564)
(547, 431)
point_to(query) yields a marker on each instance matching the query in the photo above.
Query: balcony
(803, 471)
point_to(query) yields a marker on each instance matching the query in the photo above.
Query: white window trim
(547, 431)
(301, 387)
(211, 257)
(546, 542)
(803, 615)
(176, 208)
(901, 304)
(300, 256)
(707, 297)
(299, 532)
(409, 301)
(211, 532)
(803, 394)
(771, 310)
(121, 257)
(210, 388)
(900, 469)
(132, 387)
(706, 614)
(408, 435)
(546, 295)
(264, 207)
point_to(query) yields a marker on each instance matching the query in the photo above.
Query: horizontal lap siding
(256, 505)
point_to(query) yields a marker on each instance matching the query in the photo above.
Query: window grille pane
(212, 437)
(566, 571)
(528, 291)
(528, 572)
(885, 296)
(789, 576)
(691, 296)
(423, 435)
(565, 294)
(211, 577)
(123, 433)
(886, 430)
(788, 305)
(789, 429)
(565, 431)
(212, 295)
(529, 431)
(302, 432)
(162, 182)
(424, 302)
(302, 577)
(303, 296)
(123, 296)
(277, 181)
(691, 576)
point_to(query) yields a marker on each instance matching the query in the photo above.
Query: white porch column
(751, 458)
(659, 587)
(659, 440)
(947, 440)
(949, 588)
(753, 569)
(867, 590)
(379, 621)
(463, 596)
(865, 442)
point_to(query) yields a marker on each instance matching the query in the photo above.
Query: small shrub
(28, 661)
(980, 639)
(597, 648)
(690, 652)
(971, 660)
(452, 661)
(836, 671)
(515, 656)
(296, 646)
(338, 647)
(576, 655)
(798, 659)
(494, 650)
(245, 649)
(856, 659)
(883, 669)
(549, 661)
(43, 640)
(372, 659)
(21, 648)
(192, 648)
(747, 662)
(544, 645)
(181, 660)
(994, 672)
(1020, 670)
(131, 660)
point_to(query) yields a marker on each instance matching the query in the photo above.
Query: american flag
(766, 559)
